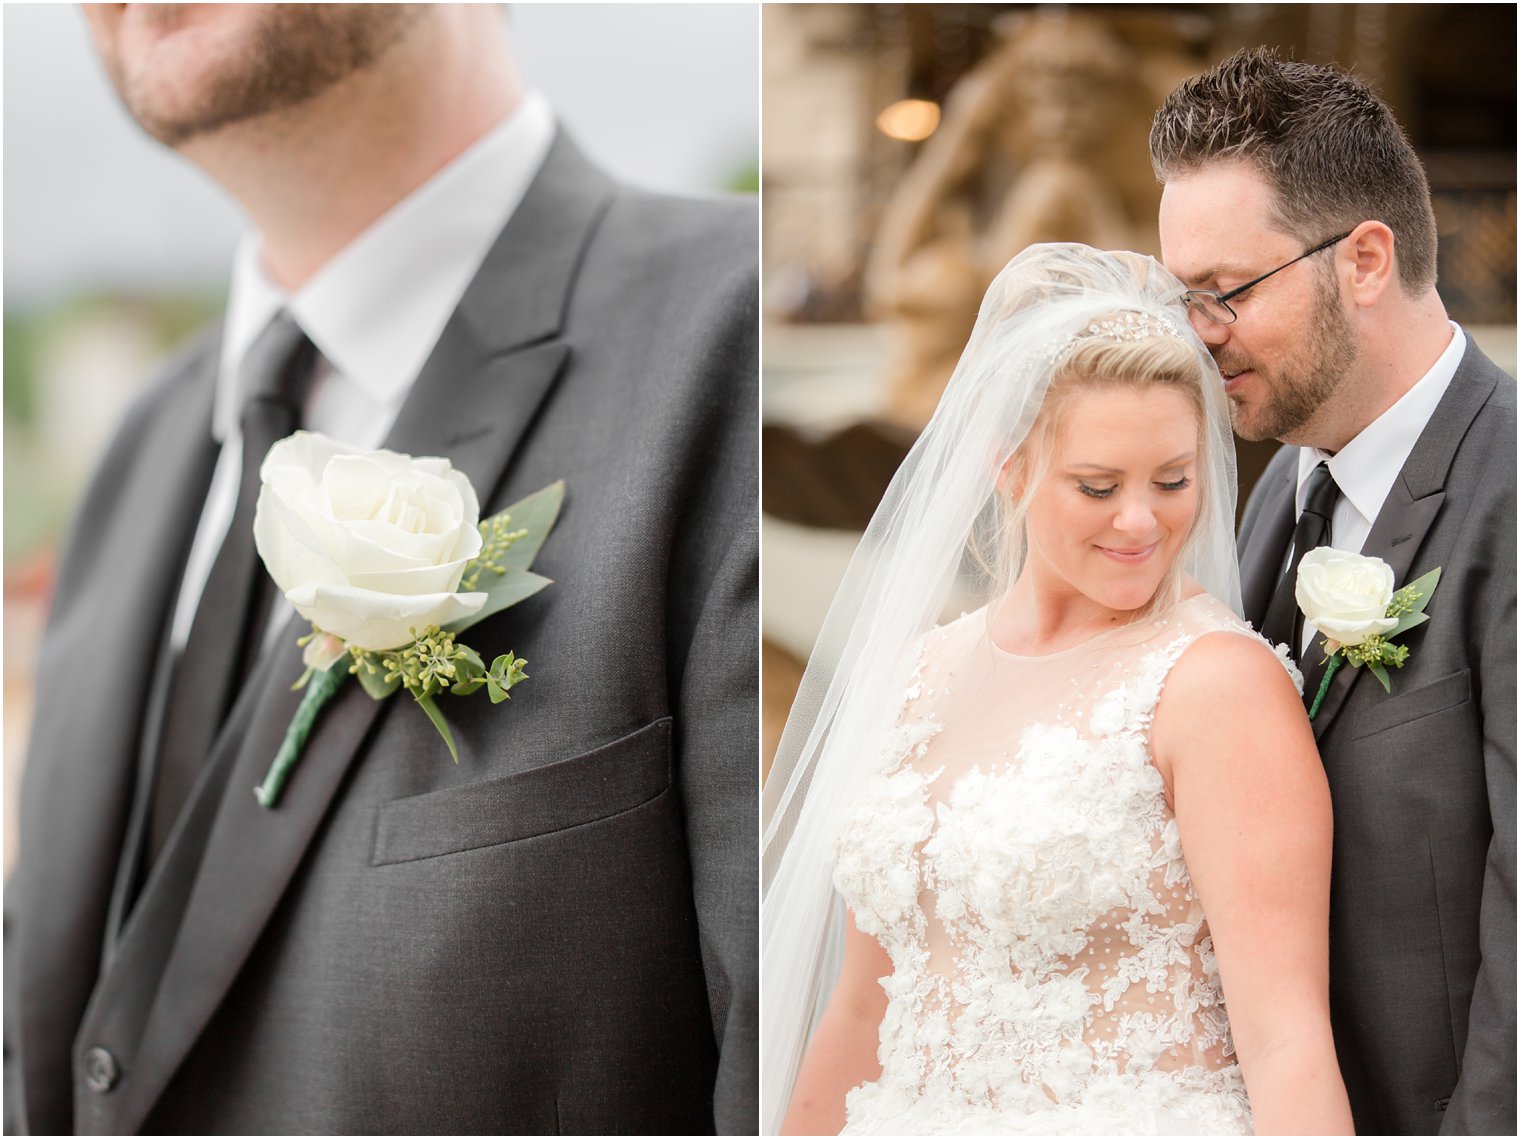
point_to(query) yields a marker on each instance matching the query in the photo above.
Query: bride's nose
(1135, 515)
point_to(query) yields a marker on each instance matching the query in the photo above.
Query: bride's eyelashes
(1104, 491)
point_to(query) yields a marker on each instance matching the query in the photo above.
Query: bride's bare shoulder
(1229, 669)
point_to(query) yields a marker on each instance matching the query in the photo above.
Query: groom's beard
(1299, 386)
(281, 57)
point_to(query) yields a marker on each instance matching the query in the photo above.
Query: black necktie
(1283, 621)
(225, 634)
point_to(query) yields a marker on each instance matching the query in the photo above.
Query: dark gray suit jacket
(558, 933)
(1422, 891)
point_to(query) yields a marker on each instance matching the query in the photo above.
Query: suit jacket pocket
(1405, 707)
(596, 785)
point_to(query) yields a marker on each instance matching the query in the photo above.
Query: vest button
(101, 1072)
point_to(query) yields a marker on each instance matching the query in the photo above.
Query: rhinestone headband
(1129, 325)
(1126, 325)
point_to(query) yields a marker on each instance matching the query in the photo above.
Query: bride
(1016, 862)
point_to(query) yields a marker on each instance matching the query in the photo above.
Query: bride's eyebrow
(1099, 468)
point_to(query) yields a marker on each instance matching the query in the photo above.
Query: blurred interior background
(910, 150)
(114, 248)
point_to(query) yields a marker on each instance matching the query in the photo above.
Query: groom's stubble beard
(1300, 386)
(293, 54)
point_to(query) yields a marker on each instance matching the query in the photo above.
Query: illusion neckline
(1154, 621)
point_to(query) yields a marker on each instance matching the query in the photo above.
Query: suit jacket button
(101, 1072)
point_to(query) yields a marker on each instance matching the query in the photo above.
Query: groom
(1298, 213)
(557, 934)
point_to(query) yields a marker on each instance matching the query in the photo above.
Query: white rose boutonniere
(366, 545)
(1351, 599)
(386, 557)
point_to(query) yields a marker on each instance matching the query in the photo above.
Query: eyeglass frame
(1223, 299)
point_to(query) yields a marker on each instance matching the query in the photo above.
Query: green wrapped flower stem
(318, 692)
(1324, 685)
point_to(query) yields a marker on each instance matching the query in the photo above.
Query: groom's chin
(1246, 421)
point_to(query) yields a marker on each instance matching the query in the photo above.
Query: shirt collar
(376, 310)
(1365, 468)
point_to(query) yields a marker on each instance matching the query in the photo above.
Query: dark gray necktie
(1283, 621)
(226, 632)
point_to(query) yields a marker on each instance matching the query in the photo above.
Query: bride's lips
(1132, 555)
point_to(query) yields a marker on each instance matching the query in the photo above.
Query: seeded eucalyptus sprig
(432, 662)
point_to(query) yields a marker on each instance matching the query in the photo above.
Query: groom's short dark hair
(1329, 148)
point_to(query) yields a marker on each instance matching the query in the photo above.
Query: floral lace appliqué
(1052, 968)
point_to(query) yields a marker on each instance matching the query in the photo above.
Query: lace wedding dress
(1052, 969)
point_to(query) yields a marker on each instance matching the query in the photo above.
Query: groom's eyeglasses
(1215, 306)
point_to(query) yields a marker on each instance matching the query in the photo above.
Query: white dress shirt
(1365, 468)
(374, 312)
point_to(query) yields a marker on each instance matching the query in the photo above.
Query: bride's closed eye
(1104, 491)
(1096, 491)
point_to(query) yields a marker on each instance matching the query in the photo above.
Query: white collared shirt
(1365, 468)
(374, 312)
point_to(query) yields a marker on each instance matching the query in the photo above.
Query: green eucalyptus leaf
(502, 591)
(1407, 621)
(375, 686)
(498, 693)
(470, 671)
(508, 669)
(1381, 673)
(536, 514)
(467, 660)
(433, 713)
(1425, 585)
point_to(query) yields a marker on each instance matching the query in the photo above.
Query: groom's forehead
(1213, 222)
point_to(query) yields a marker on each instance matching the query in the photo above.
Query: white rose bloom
(1346, 595)
(366, 545)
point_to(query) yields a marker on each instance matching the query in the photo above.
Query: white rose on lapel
(370, 547)
(367, 545)
(1346, 595)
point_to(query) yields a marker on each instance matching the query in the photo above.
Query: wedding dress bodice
(1052, 969)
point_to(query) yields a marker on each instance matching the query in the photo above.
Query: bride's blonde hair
(1122, 350)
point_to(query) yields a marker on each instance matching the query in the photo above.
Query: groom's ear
(1373, 269)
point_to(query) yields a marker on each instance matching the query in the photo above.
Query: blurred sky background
(114, 248)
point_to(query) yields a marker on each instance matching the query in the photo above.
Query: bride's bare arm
(842, 1053)
(1253, 811)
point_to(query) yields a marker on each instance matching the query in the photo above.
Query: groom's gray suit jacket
(558, 933)
(1422, 890)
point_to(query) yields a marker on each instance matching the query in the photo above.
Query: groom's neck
(313, 177)
(1398, 347)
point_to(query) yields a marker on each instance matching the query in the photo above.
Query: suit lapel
(480, 390)
(81, 782)
(1261, 558)
(1413, 503)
